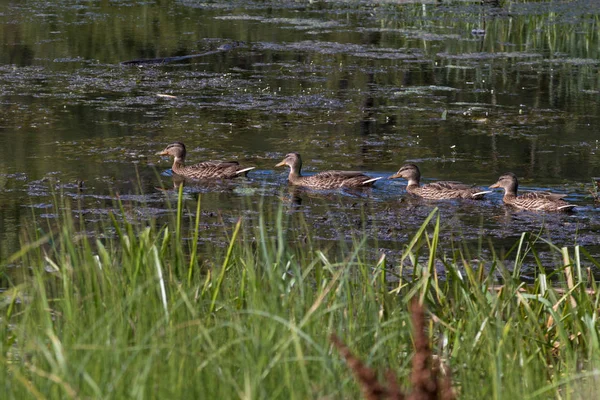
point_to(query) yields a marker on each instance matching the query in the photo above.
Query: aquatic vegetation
(355, 85)
(106, 292)
(135, 310)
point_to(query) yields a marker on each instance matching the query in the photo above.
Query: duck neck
(178, 164)
(295, 174)
(510, 194)
(510, 191)
(413, 183)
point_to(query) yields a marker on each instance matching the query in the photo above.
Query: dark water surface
(349, 85)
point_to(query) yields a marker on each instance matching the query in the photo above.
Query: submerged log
(164, 60)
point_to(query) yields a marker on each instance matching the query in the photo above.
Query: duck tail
(479, 194)
(567, 207)
(371, 180)
(243, 171)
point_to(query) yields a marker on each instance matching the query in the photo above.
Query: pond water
(466, 91)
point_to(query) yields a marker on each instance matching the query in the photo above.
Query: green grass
(143, 314)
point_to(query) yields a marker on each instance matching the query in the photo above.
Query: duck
(535, 201)
(203, 170)
(325, 179)
(437, 190)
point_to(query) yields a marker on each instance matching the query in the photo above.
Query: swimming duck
(536, 201)
(203, 170)
(436, 190)
(325, 179)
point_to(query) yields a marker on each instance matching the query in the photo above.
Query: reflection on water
(466, 91)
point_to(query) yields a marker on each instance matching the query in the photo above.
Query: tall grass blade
(221, 276)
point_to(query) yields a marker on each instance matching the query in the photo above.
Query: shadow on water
(467, 91)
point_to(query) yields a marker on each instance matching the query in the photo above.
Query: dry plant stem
(424, 376)
(367, 377)
(394, 391)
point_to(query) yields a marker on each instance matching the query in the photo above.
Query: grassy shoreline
(140, 315)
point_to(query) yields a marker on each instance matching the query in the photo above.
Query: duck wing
(450, 185)
(450, 190)
(543, 195)
(542, 201)
(339, 174)
(337, 179)
(214, 170)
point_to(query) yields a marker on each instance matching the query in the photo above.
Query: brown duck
(535, 201)
(436, 190)
(325, 179)
(203, 170)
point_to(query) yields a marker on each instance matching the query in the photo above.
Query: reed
(135, 311)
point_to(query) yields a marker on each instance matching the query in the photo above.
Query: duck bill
(281, 164)
(162, 153)
(495, 186)
(395, 176)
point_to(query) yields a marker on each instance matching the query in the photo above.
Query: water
(349, 85)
